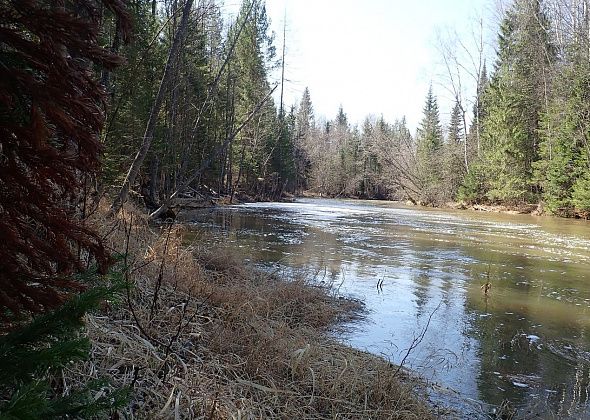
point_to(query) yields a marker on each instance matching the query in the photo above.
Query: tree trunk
(151, 125)
(166, 205)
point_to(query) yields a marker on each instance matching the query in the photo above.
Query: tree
(258, 143)
(51, 114)
(454, 164)
(49, 342)
(304, 126)
(515, 101)
(396, 153)
(429, 148)
(50, 120)
(155, 110)
(479, 114)
(564, 163)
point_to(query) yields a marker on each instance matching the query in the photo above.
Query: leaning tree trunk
(204, 165)
(151, 125)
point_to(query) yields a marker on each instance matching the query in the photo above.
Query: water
(526, 341)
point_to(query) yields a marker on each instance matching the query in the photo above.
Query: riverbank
(533, 209)
(199, 335)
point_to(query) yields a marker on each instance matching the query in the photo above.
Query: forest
(521, 138)
(113, 113)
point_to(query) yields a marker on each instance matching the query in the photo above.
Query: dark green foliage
(255, 158)
(302, 138)
(473, 187)
(283, 162)
(581, 195)
(430, 139)
(514, 104)
(132, 91)
(526, 139)
(30, 354)
(429, 151)
(505, 143)
(564, 166)
(454, 166)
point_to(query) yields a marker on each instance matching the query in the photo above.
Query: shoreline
(214, 201)
(200, 334)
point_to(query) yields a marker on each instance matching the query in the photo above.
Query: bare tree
(464, 64)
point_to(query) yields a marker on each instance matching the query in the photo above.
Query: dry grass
(202, 336)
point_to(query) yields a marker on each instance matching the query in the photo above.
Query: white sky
(373, 56)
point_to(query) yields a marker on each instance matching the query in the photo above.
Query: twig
(417, 340)
(158, 285)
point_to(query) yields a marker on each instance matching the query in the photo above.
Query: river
(526, 341)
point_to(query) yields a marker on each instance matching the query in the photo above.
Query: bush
(32, 354)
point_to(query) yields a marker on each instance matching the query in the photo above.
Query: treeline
(523, 136)
(528, 140)
(535, 120)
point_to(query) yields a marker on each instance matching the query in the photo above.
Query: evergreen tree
(254, 57)
(32, 353)
(456, 130)
(284, 154)
(515, 102)
(479, 115)
(304, 126)
(340, 154)
(341, 118)
(51, 115)
(429, 148)
(565, 158)
(305, 116)
(454, 164)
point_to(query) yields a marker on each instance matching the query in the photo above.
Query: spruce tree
(454, 164)
(479, 114)
(32, 354)
(565, 158)
(429, 151)
(254, 57)
(304, 126)
(515, 101)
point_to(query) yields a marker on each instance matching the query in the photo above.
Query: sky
(375, 57)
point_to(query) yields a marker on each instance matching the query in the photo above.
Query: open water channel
(526, 341)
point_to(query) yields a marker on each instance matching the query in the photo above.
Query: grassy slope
(202, 336)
